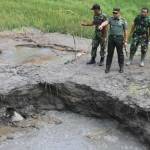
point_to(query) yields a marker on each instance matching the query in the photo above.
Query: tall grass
(61, 15)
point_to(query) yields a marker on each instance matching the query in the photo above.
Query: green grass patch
(61, 15)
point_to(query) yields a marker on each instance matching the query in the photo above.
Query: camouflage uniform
(140, 36)
(99, 36)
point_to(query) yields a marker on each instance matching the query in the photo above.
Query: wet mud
(41, 72)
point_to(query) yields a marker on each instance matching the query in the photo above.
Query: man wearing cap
(117, 38)
(99, 36)
(140, 32)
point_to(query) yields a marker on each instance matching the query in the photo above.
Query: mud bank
(63, 81)
(79, 99)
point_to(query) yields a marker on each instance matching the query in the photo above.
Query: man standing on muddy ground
(99, 36)
(140, 32)
(117, 38)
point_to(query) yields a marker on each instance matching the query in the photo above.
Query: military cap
(96, 6)
(116, 9)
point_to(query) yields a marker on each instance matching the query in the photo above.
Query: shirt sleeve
(125, 25)
(136, 20)
(109, 20)
(149, 28)
(93, 20)
(105, 17)
(149, 22)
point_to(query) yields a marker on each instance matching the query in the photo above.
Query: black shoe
(92, 61)
(121, 70)
(107, 69)
(101, 63)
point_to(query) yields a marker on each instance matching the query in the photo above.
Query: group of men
(118, 37)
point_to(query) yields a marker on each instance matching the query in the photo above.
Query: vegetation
(61, 15)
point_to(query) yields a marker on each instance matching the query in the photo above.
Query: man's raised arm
(87, 24)
(104, 24)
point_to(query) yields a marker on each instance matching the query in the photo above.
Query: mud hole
(38, 105)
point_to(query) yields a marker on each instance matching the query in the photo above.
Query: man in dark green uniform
(99, 36)
(117, 38)
(140, 32)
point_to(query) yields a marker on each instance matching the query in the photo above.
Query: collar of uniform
(117, 18)
(98, 15)
(143, 17)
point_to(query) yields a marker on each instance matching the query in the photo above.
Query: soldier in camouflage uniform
(117, 38)
(99, 36)
(141, 33)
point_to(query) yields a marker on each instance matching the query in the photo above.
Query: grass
(61, 15)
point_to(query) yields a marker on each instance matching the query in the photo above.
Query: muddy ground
(68, 131)
(48, 71)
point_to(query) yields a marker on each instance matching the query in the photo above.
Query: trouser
(98, 40)
(115, 42)
(136, 41)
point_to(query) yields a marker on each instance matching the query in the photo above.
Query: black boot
(101, 63)
(107, 69)
(92, 61)
(121, 70)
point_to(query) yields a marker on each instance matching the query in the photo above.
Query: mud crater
(79, 99)
(21, 86)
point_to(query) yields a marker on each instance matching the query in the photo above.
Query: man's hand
(125, 44)
(125, 47)
(104, 24)
(87, 24)
(83, 24)
(100, 27)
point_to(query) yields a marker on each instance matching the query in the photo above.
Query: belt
(116, 35)
(141, 34)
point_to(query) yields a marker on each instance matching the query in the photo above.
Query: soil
(40, 71)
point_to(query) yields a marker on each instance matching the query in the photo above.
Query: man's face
(96, 11)
(116, 14)
(144, 12)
